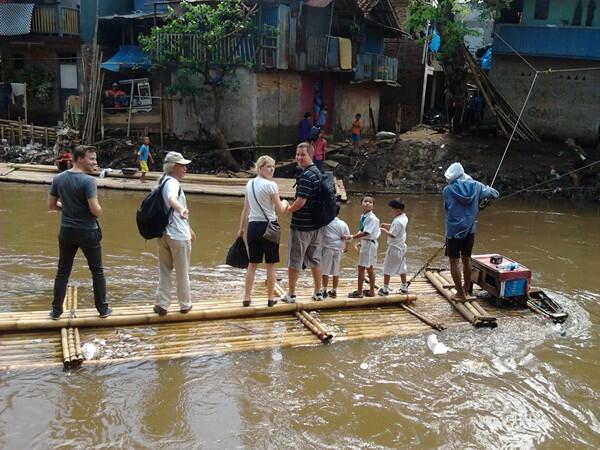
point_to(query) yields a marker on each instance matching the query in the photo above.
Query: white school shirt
(332, 234)
(177, 229)
(398, 229)
(263, 189)
(371, 226)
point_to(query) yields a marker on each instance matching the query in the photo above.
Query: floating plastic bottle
(437, 348)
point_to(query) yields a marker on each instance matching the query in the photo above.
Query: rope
(515, 128)
(424, 266)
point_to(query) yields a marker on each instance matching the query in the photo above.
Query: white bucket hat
(176, 158)
(456, 172)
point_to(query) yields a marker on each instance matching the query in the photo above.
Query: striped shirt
(307, 187)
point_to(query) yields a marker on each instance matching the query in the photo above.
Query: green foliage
(201, 37)
(40, 83)
(442, 15)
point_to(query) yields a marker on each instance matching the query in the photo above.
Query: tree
(442, 15)
(200, 42)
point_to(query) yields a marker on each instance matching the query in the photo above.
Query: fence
(19, 133)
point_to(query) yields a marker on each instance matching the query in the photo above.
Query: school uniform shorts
(330, 261)
(395, 261)
(367, 256)
(304, 249)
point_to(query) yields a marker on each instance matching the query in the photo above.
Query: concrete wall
(351, 99)
(278, 107)
(238, 111)
(560, 12)
(561, 105)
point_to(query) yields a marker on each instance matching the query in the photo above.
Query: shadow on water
(526, 384)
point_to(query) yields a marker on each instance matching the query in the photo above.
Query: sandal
(246, 303)
(355, 294)
(271, 303)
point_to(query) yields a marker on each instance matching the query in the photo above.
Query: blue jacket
(461, 203)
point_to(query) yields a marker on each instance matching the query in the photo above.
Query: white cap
(177, 158)
(456, 172)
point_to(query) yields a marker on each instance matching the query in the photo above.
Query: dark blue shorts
(355, 137)
(258, 247)
(455, 248)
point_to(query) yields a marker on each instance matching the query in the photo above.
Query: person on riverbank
(335, 239)
(320, 146)
(74, 193)
(356, 129)
(304, 127)
(462, 197)
(368, 234)
(175, 245)
(142, 155)
(261, 205)
(304, 243)
(395, 256)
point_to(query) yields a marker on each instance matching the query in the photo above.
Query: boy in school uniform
(367, 256)
(143, 154)
(395, 257)
(334, 240)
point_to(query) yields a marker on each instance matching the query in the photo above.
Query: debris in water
(89, 350)
(437, 348)
(364, 366)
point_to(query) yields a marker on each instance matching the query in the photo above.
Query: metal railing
(55, 20)
(233, 50)
(372, 66)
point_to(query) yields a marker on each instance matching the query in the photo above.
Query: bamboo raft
(221, 325)
(193, 183)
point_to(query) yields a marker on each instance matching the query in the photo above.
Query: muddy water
(526, 384)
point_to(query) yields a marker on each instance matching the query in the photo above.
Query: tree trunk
(217, 132)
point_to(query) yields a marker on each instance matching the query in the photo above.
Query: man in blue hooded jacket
(461, 204)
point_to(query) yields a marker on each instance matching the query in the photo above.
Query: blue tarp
(128, 57)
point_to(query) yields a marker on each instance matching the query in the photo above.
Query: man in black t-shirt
(304, 243)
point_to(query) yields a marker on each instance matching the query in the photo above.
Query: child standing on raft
(395, 257)
(368, 234)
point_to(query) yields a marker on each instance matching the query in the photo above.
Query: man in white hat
(462, 197)
(175, 245)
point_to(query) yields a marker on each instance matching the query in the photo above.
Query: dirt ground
(416, 162)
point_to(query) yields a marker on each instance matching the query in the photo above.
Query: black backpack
(325, 205)
(153, 216)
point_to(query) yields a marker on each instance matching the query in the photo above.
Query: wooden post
(130, 104)
(162, 143)
(25, 102)
(20, 133)
(46, 136)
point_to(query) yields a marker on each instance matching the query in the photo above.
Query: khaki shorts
(367, 257)
(304, 248)
(330, 261)
(395, 261)
(144, 166)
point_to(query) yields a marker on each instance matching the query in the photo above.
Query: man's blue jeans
(69, 241)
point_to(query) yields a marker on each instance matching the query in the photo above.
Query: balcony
(549, 41)
(372, 66)
(55, 20)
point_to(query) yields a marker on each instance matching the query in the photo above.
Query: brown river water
(526, 384)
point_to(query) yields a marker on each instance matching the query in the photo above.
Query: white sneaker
(317, 296)
(383, 292)
(287, 298)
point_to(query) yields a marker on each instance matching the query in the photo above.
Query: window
(541, 9)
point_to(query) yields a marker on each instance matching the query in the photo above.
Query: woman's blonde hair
(261, 162)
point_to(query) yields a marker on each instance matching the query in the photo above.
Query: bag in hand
(237, 256)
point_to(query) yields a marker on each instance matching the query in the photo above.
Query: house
(560, 37)
(41, 45)
(324, 53)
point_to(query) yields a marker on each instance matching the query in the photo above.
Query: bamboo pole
(302, 317)
(149, 317)
(433, 324)
(65, 347)
(328, 335)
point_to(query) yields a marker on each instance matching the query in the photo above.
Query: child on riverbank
(368, 234)
(335, 238)
(143, 154)
(356, 128)
(395, 256)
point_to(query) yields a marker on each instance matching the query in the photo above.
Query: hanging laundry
(436, 42)
(18, 90)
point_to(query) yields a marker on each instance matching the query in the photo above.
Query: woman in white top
(261, 205)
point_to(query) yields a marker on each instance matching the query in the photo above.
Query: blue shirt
(304, 130)
(461, 203)
(143, 152)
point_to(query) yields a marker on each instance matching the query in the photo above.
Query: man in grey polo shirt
(304, 243)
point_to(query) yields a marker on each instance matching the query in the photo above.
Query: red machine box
(502, 277)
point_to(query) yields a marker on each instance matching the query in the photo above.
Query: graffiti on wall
(545, 113)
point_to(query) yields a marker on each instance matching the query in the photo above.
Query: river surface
(526, 384)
